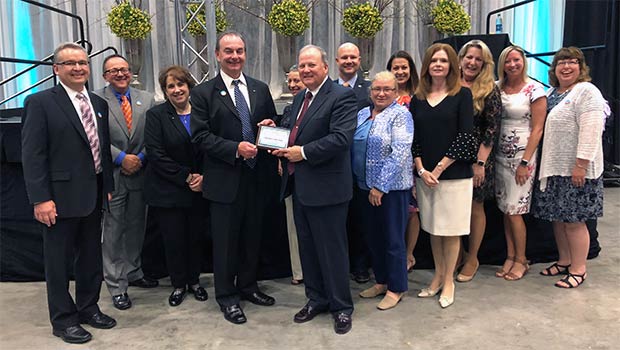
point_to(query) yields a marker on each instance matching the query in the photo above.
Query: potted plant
(132, 24)
(364, 21)
(289, 19)
(450, 18)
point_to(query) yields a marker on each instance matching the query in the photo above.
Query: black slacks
(73, 243)
(236, 232)
(183, 232)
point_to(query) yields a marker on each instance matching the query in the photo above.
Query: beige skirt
(446, 209)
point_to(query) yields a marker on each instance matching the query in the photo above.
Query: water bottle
(498, 24)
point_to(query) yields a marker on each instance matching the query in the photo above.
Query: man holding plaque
(317, 171)
(225, 114)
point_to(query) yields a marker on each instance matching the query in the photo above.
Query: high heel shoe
(428, 292)
(466, 278)
(445, 301)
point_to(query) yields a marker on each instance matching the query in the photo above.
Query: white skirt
(446, 209)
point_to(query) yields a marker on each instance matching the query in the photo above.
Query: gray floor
(489, 313)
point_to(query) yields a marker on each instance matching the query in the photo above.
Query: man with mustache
(349, 75)
(123, 225)
(225, 114)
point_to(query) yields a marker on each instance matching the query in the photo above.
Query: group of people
(367, 164)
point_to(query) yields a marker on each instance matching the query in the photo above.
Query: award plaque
(271, 137)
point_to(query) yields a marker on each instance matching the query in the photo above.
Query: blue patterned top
(389, 163)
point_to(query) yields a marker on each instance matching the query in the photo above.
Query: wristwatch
(480, 162)
(421, 171)
(524, 162)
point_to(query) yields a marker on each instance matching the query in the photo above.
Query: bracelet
(440, 165)
(421, 171)
(581, 166)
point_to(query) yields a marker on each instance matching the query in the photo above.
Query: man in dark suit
(318, 173)
(225, 113)
(349, 75)
(68, 174)
(123, 225)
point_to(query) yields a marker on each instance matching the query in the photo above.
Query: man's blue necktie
(244, 115)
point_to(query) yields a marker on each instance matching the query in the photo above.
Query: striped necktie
(91, 131)
(126, 109)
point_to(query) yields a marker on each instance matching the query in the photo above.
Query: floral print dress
(515, 129)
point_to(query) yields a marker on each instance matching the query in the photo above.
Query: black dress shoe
(234, 314)
(361, 277)
(259, 298)
(121, 301)
(177, 296)
(73, 334)
(99, 320)
(144, 282)
(306, 314)
(342, 323)
(200, 293)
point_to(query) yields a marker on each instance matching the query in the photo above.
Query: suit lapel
(317, 102)
(176, 121)
(65, 103)
(138, 112)
(222, 92)
(115, 110)
(252, 94)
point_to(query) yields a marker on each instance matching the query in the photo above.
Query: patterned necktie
(126, 109)
(244, 115)
(91, 131)
(293, 135)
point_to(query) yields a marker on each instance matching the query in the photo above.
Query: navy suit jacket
(56, 156)
(362, 91)
(216, 128)
(326, 133)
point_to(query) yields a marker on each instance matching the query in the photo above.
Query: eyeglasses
(384, 90)
(115, 71)
(73, 63)
(572, 62)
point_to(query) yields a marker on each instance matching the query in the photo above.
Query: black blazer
(56, 155)
(362, 91)
(172, 157)
(326, 132)
(216, 129)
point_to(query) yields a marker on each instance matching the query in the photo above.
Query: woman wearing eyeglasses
(571, 167)
(382, 173)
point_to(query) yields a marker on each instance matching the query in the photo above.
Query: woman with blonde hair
(444, 144)
(522, 121)
(477, 73)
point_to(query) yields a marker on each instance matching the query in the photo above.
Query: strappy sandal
(500, 273)
(555, 269)
(511, 276)
(579, 279)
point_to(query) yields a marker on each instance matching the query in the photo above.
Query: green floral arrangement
(289, 17)
(129, 22)
(450, 18)
(362, 20)
(197, 26)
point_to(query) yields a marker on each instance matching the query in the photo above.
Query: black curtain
(591, 23)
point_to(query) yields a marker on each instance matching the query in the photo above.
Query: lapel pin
(139, 103)
(99, 115)
(222, 92)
